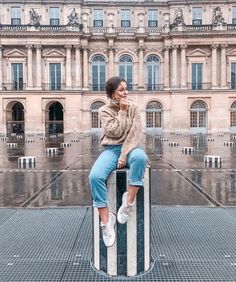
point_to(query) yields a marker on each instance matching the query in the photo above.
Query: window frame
(234, 15)
(57, 84)
(125, 18)
(198, 80)
(152, 19)
(100, 86)
(98, 20)
(54, 21)
(197, 16)
(16, 15)
(17, 84)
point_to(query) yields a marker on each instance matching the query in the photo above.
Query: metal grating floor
(188, 244)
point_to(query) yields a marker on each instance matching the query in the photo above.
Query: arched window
(198, 115)
(126, 70)
(233, 114)
(15, 118)
(153, 73)
(98, 73)
(17, 112)
(154, 115)
(54, 119)
(95, 121)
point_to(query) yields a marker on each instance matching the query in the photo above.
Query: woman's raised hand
(123, 104)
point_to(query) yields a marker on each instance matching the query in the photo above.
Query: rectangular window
(16, 16)
(152, 18)
(197, 76)
(126, 73)
(125, 18)
(233, 75)
(54, 16)
(153, 77)
(55, 76)
(98, 75)
(97, 17)
(234, 15)
(197, 16)
(17, 76)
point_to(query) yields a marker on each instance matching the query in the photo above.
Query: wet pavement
(62, 179)
(45, 210)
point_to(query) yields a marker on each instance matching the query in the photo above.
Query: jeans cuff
(100, 204)
(135, 183)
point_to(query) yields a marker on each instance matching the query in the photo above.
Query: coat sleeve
(113, 126)
(133, 139)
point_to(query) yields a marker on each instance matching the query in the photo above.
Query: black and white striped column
(130, 255)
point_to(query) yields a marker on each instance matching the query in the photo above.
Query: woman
(122, 133)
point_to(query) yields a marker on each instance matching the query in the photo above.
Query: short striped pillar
(130, 255)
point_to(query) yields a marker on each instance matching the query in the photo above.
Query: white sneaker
(108, 231)
(124, 210)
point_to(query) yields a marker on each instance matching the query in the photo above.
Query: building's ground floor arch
(54, 118)
(154, 116)
(198, 117)
(233, 118)
(15, 118)
(95, 118)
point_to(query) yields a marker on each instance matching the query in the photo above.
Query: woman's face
(121, 91)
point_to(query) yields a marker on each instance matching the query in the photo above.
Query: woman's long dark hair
(112, 84)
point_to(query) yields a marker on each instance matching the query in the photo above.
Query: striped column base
(130, 255)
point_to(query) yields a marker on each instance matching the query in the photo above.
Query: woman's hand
(121, 164)
(123, 104)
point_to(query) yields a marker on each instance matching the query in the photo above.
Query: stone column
(68, 66)
(1, 68)
(111, 61)
(38, 66)
(183, 66)
(214, 65)
(30, 66)
(141, 74)
(77, 66)
(166, 67)
(223, 70)
(174, 67)
(85, 68)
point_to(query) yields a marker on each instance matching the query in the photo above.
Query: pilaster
(29, 67)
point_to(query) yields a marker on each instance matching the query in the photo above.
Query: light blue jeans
(106, 163)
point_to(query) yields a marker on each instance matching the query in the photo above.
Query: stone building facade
(178, 57)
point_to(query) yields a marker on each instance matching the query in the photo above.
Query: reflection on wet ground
(61, 179)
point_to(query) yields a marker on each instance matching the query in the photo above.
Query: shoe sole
(114, 228)
(121, 207)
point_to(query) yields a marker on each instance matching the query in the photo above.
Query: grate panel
(40, 234)
(188, 244)
(187, 234)
(31, 271)
(83, 246)
(5, 214)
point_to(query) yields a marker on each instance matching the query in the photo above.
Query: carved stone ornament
(179, 18)
(73, 19)
(217, 18)
(34, 18)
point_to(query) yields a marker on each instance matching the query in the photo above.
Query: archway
(198, 117)
(15, 118)
(95, 120)
(54, 122)
(233, 118)
(154, 116)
